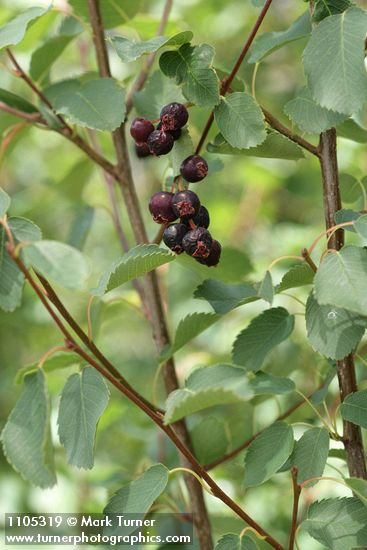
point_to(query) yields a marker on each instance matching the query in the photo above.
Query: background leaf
(225, 297)
(13, 32)
(4, 202)
(310, 454)
(129, 50)
(354, 408)
(235, 542)
(209, 439)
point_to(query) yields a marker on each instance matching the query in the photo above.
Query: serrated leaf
(309, 116)
(266, 331)
(354, 408)
(341, 280)
(275, 146)
(113, 13)
(209, 439)
(310, 454)
(298, 275)
(235, 542)
(206, 387)
(43, 58)
(83, 401)
(26, 436)
(338, 79)
(240, 120)
(182, 149)
(4, 202)
(332, 331)
(346, 215)
(98, 104)
(56, 361)
(191, 67)
(189, 328)
(359, 487)
(11, 278)
(58, 261)
(338, 523)
(225, 297)
(266, 289)
(268, 42)
(268, 384)
(16, 101)
(139, 261)
(13, 32)
(158, 91)
(325, 8)
(129, 50)
(274, 445)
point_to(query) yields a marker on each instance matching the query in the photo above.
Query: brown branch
(29, 117)
(279, 127)
(306, 256)
(352, 436)
(142, 77)
(296, 494)
(228, 81)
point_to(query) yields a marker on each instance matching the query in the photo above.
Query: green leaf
(83, 401)
(16, 101)
(81, 226)
(267, 453)
(298, 275)
(338, 79)
(4, 202)
(139, 261)
(360, 225)
(309, 116)
(349, 129)
(225, 297)
(319, 395)
(240, 120)
(209, 439)
(346, 215)
(13, 32)
(191, 67)
(350, 188)
(354, 408)
(98, 104)
(56, 361)
(267, 384)
(338, 523)
(113, 13)
(235, 542)
(158, 91)
(11, 278)
(324, 8)
(341, 280)
(275, 146)
(206, 387)
(138, 496)
(58, 261)
(26, 436)
(268, 42)
(310, 454)
(129, 50)
(332, 331)
(189, 328)
(266, 331)
(43, 58)
(266, 289)
(182, 149)
(24, 230)
(359, 487)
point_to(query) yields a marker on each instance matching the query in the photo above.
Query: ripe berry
(142, 150)
(202, 218)
(173, 235)
(160, 142)
(160, 206)
(141, 129)
(176, 134)
(174, 116)
(194, 168)
(198, 242)
(213, 259)
(186, 204)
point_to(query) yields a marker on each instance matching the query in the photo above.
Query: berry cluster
(191, 234)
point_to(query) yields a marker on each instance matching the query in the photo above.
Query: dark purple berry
(160, 142)
(213, 259)
(194, 168)
(173, 235)
(198, 242)
(174, 116)
(186, 204)
(160, 206)
(141, 129)
(176, 134)
(142, 150)
(202, 218)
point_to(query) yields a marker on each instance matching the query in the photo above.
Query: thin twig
(29, 117)
(296, 494)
